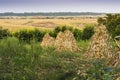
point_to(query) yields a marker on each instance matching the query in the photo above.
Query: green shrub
(60, 29)
(25, 35)
(53, 34)
(38, 35)
(77, 34)
(112, 22)
(4, 33)
(117, 30)
(71, 28)
(57, 29)
(87, 33)
(28, 35)
(63, 28)
(101, 21)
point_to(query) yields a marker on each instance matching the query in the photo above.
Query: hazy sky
(112, 6)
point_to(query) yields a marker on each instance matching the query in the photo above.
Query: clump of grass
(83, 44)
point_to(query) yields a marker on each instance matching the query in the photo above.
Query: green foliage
(4, 33)
(97, 70)
(71, 29)
(38, 35)
(63, 28)
(100, 70)
(83, 44)
(117, 30)
(87, 33)
(18, 60)
(28, 35)
(60, 29)
(53, 34)
(77, 34)
(112, 22)
(57, 29)
(101, 21)
(31, 62)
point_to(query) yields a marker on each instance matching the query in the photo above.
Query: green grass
(29, 61)
(22, 61)
(83, 44)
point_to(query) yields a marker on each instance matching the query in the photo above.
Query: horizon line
(56, 12)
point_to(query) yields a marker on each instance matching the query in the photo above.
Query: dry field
(17, 24)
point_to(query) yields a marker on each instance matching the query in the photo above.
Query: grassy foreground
(22, 61)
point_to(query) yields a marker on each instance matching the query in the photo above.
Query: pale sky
(108, 6)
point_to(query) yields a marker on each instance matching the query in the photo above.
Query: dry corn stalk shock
(100, 46)
(115, 59)
(64, 41)
(47, 41)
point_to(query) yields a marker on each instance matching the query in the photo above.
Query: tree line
(50, 14)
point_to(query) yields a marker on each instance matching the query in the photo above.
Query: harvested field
(44, 24)
(17, 24)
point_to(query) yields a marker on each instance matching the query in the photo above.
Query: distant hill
(51, 14)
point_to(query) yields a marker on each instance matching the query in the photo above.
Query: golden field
(17, 24)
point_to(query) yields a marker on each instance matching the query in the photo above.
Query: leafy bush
(101, 21)
(57, 29)
(53, 34)
(63, 28)
(77, 34)
(38, 35)
(28, 35)
(4, 33)
(112, 22)
(87, 33)
(60, 29)
(117, 30)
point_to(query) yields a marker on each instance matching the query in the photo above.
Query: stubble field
(17, 24)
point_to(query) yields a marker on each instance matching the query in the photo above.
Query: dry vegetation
(16, 24)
